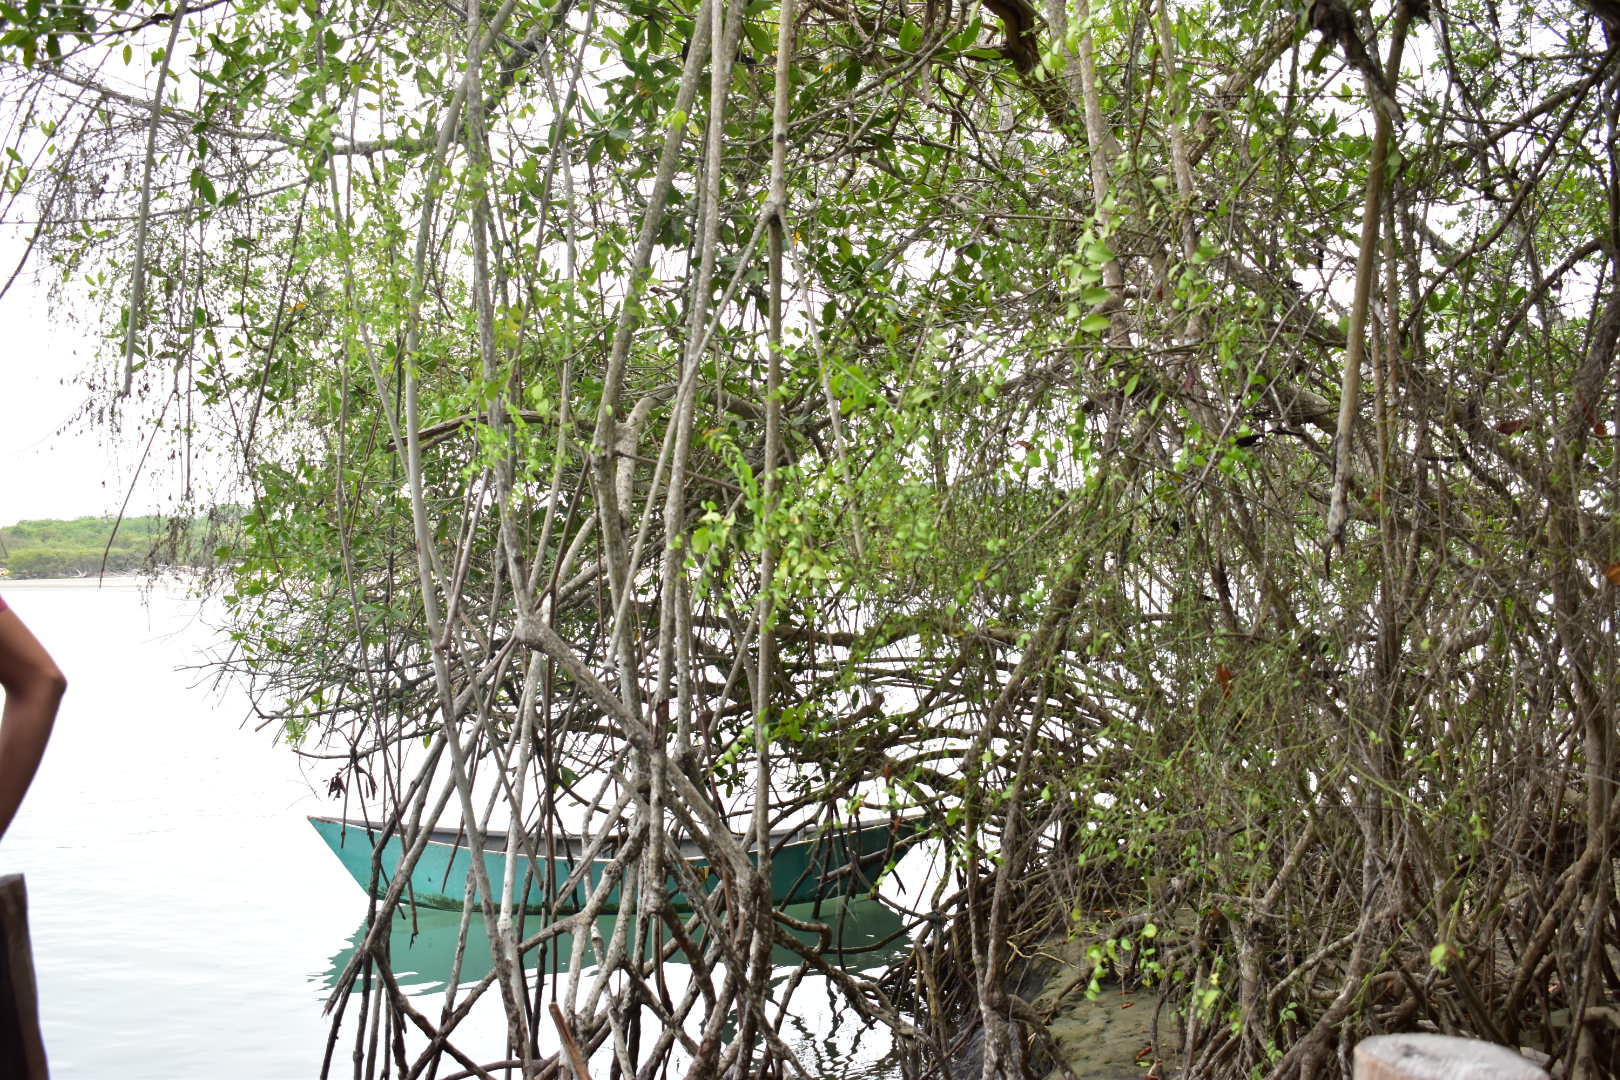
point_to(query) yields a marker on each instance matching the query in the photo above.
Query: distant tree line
(49, 548)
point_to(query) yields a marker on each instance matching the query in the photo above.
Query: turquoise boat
(806, 864)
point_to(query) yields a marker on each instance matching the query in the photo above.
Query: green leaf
(203, 186)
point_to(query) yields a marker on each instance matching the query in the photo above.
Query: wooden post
(1439, 1057)
(22, 1050)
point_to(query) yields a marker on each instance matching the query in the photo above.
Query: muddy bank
(1109, 1037)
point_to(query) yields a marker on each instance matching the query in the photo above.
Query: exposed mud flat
(1109, 1037)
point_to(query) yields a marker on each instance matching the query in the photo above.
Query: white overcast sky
(48, 468)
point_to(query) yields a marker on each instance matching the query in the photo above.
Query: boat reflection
(866, 934)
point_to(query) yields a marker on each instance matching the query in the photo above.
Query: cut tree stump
(22, 1050)
(1439, 1057)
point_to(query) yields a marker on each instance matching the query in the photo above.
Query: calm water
(187, 921)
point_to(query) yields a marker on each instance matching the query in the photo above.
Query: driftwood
(1439, 1057)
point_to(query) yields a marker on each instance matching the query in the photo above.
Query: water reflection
(866, 934)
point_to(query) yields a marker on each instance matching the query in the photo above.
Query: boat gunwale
(495, 839)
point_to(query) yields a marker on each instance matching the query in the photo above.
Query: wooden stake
(22, 1051)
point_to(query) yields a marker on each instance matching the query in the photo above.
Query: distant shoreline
(123, 580)
(111, 581)
(90, 547)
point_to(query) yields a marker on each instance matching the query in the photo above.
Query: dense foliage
(1172, 443)
(89, 546)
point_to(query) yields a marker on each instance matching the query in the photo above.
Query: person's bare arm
(34, 686)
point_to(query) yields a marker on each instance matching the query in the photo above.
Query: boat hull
(802, 869)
